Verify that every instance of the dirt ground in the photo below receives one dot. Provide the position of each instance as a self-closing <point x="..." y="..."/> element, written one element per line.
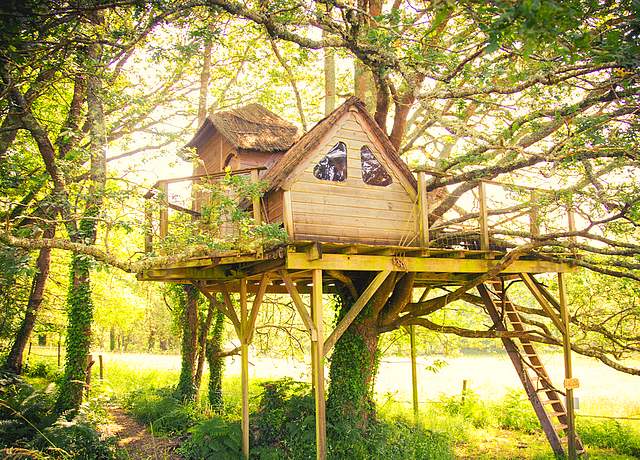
<point x="137" y="440"/>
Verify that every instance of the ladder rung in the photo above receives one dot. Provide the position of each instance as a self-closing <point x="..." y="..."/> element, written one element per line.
<point x="560" y="426"/>
<point x="551" y="401"/>
<point x="556" y="413"/>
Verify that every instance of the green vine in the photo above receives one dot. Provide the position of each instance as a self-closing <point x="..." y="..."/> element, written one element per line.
<point x="216" y="363"/>
<point x="352" y="369"/>
<point x="185" y="297"/>
<point x="80" y="314"/>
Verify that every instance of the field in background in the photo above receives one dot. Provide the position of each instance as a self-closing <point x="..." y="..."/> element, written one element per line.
<point x="603" y="390"/>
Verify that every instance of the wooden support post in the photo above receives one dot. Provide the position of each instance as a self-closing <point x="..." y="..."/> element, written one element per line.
<point x="568" y="371"/>
<point x="534" y="216"/>
<point x="101" y="367"/>
<point x="148" y="229"/>
<point x="257" y="205"/>
<point x="318" y="355"/>
<point x="163" y="187"/>
<point x="571" y="221"/>
<point x="483" y="217"/>
<point x="423" y="210"/>
<point x="287" y="213"/>
<point x="299" y="304"/>
<point x="59" y="349"/>
<point x="414" y="372"/>
<point x="244" y="356"/>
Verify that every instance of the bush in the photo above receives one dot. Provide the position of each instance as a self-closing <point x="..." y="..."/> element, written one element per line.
<point x="76" y="439"/>
<point x="213" y="439"/>
<point x="42" y="369"/>
<point x="284" y="427"/>
<point x="469" y="406"/>
<point x="514" y="412"/>
<point x="609" y="434"/>
<point x="163" y="411"/>
<point x="29" y="427"/>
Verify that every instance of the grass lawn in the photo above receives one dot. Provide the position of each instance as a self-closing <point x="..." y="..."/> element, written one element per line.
<point x="479" y="431"/>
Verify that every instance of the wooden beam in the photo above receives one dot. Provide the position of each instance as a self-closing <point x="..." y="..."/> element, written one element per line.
<point x="233" y="316"/>
<point x="355" y="309"/>
<point x="423" y="210"/>
<point x="287" y="213"/>
<point x="544" y="303"/>
<point x="568" y="371"/>
<point x="484" y="217"/>
<point x="257" y="207"/>
<point x="155" y="274"/>
<point x="257" y="301"/>
<point x="244" y="374"/>
<point x="148" y="227"/>
<point x="534" y="215"/>
<point x="316" y="350"/>
<point x="414" y="372"/>
<point x="299" y="304"/>
<point x="298" y="261"/>
<point x="163" y="187"/>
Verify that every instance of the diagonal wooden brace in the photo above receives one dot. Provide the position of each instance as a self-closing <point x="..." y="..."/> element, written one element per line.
<point x="357" y="307"/>
<point x="532" y="285"/>
<point x="299" y="304"/>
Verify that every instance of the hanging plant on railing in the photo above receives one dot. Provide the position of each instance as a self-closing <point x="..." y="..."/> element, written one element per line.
<point x="224" y="220"/>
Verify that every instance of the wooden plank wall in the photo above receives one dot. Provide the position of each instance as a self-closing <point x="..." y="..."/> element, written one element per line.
<point x="351" y="211"/>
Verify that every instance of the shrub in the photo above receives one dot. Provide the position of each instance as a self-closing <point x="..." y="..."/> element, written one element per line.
<point x="213" y="439"/>
<point x="469" y="406"/>
<point x="514" y="412"/>
<point x="29" y="427"/>
<point x="609" y="434"/>
<point x="42" y="369"/>
<point x="76" y="439"/>
<point x="163" y="411"/>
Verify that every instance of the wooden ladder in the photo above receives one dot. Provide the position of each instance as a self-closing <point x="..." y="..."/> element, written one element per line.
<point x="545" y="398"/>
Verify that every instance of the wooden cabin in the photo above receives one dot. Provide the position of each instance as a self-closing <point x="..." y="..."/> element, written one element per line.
<point x="341" y="182"/>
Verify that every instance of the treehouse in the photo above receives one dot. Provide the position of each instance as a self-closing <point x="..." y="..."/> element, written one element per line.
<point x="354" y="214"/>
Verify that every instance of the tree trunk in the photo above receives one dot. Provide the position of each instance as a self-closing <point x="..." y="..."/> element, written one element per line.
<point x="353" y="368"/>
<point x="14" y="360"/>
<point x="80" y="313"/>
<point x="202" y="344"/>
<point x="216" y="363"/>
<point x="329" y="78"/>
<point x="186" y="389"/>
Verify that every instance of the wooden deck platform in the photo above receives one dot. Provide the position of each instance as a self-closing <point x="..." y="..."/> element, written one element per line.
<point x="435" y="267"/>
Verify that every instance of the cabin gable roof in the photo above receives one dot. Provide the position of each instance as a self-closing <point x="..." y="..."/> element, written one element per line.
<point x="252" y="127"/>
<point x="301" y="152"/>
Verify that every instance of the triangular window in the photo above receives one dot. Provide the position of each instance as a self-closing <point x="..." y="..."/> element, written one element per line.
<point x="373" y="173"/>
<point x="333" y="166"/>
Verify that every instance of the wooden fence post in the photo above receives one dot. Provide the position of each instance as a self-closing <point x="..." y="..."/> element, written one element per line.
<point x="59" y="340"/>
<point x="163" y="187"/>
<point x="483" y="217"/>
<point x="101" y="367"/>
<point x="464" y="389"/>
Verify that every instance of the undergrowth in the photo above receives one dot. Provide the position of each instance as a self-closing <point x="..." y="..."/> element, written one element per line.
<point x="30" y="428"/>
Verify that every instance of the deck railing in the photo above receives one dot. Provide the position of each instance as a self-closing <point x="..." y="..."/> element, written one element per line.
<point x="490" y="215"/>
<point x="160" y="196"/>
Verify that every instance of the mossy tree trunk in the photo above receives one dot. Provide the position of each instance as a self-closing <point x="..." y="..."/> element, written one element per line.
<point x="80" y="314"/>
<point x="354" y="361"/>
<point x="216" y="363"/>
<point x="186" y="389"/>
